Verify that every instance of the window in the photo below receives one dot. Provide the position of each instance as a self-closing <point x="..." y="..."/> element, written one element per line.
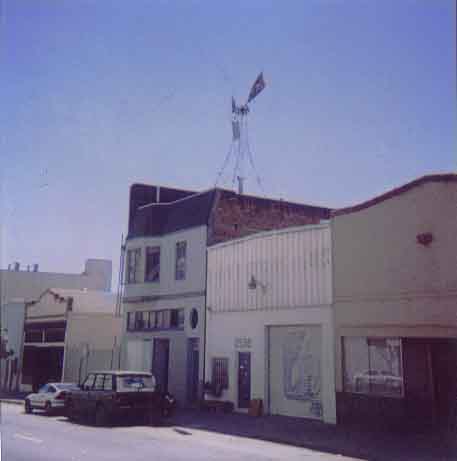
<point x="180" y="262"/>
<point x="133" y="265"/>
<point x="373" y="366"/>
<point x="152" y="264"/>
<point x="135" y="382"/>
<point x="89" y="382"/>
<point x="54" y="335"/>
<point x="34" y="336"/>
<point x="141" y="319"/>
<point x="108" y="383"/>
<point x="177" y="318"/>
<point x="98" y="385"/>
<point x="130" y="321"/>
<point x="152" y="320"/>
<point x="220" y="373"/>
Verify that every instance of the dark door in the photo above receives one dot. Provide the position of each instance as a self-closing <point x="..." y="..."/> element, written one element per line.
<point x="193" y="357"/>
<point x="160" y="360"/>
<point x="244" y="379"/>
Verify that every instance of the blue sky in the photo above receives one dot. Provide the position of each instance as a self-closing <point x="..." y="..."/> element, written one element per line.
<point x="98" y="94"/>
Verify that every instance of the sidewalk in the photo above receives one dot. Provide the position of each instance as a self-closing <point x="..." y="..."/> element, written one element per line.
<point x="354" y="442"/>
<point x="13" y="397"/>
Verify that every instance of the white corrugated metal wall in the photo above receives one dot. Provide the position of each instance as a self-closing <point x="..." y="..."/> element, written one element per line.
<point x="292" y="268"/>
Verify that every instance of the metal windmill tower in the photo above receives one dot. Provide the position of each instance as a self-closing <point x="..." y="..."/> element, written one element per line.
<point x="239" y="149"/>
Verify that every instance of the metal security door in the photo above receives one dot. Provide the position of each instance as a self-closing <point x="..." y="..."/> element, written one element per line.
<point x="244" y="379"/>
<point x="193" y="358"/>
<point x="160" y="361"/>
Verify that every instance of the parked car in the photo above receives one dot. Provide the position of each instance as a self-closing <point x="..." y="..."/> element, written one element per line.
<point x="107" y="396"/>
<point x="50" y="397"/>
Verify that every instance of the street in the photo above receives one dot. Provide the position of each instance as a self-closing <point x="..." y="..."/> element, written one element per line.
<point x="38" y="437"/>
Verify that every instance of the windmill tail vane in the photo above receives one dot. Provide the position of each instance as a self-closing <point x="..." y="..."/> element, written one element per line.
<point x="239" y="148"/>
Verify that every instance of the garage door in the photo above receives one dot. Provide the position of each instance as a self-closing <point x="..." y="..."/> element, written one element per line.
<point x="295" y="371"/>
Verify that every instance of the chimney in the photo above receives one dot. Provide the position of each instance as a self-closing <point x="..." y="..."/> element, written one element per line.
<point x="35" y="268"/>
<point x="17" y="267"/>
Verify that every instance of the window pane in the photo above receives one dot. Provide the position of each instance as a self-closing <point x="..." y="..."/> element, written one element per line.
<point x="33" y="336"/>
<point x="54" y="335"/>
<point x="152" y="264"/>
<point x="166" y="319"/>
<point x="108" y="383"/>
<point x="99" y="382"/>
<point x="133" y="265"/>
<point x="130" y="321"/>
<point x="140" y="320"/>
<point x="160" y="318"/>
<point x="152" y="319"/>
<point x="356" y="365"/>
<point x="180" y="263"/>
<point x="181" y="318"/>
<point x="385" y="366"/>
<point x="89" y="382"/>
<point x="174" y="318"/>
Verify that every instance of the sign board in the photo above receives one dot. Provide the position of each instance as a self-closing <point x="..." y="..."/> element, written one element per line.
<point x="243" y="342"/>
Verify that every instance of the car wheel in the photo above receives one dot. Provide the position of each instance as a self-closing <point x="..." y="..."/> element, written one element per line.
<point x="47" y="408"/>
<point x="101" y="417"/>
<point x="28" y="407"/>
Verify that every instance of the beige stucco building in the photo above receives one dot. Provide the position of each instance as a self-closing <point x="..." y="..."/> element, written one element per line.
<point x="395" y="300"/>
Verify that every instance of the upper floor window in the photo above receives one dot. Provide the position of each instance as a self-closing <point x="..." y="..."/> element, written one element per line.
<point x="180" y="263"/>
<point x="152" y="264"/>
<point x="133" y="265"/>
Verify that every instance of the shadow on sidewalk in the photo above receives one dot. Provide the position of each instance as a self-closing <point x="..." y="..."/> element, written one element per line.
<point x="348" y="441"/>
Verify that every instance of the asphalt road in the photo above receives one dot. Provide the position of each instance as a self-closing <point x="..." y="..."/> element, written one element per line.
<point x="38" y="437"/>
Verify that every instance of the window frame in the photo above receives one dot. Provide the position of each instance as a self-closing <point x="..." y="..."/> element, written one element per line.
<point x="150" y="251"/>
<point x="132" y="268"/>
<point x="180" y="272"/>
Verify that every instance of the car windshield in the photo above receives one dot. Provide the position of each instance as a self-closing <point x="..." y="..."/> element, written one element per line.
<point x="135" y="382"/>
<point x="66" y="386"/>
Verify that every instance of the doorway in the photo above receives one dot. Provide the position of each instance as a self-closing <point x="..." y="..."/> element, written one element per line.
<point x="244" y="379"/>
<point x="160" y="362"/>
<point x="193" y="358"/>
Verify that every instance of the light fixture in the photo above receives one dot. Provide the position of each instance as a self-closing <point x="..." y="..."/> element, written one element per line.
<point x="254" y="283"/>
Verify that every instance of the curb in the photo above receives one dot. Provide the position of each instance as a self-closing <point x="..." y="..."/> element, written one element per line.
<point x="13" y="401"/>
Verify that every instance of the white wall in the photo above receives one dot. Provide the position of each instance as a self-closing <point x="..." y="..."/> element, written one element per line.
<point x="224" y="327"/>
<point x="292" y="267"/>
<point x="195" y="264"/>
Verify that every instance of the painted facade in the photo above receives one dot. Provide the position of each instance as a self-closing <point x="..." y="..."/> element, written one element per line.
<point x="270" y="322"/>
<point x="395" y="295"/>
<point x="66" y="334"/>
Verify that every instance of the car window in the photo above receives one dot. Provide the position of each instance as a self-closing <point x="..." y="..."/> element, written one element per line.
<point x="129" y="383"/>
<point x="89" y="382"/>
<point x="51" y="389"/>
<point x="43" y="389"/>
<point x="98" y="386"/>
<point x="66" y="386"/>
<point x="108" y="383"/>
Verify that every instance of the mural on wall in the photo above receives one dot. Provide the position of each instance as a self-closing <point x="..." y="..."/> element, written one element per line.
<point x="301" y="352"/>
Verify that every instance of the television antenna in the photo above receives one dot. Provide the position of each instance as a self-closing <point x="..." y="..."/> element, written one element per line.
<point x="239" y="147"/>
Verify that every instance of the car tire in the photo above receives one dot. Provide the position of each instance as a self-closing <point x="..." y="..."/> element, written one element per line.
<point x="47" y="408"/>
<point x="28" y="407"/>
<point x="101" y="416"/>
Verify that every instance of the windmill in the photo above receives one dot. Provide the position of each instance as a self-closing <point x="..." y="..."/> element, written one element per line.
<point x="239" y="147"/>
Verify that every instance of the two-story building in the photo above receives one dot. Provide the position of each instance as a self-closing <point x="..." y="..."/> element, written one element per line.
<point x="165" y="272"/>
<point x="395" y="302"/>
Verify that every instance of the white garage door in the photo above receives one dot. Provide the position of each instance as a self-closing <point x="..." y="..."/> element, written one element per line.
<point x="295" y="371"/>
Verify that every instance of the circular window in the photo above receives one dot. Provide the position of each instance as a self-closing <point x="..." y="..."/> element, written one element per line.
<point x="194" y="318"/>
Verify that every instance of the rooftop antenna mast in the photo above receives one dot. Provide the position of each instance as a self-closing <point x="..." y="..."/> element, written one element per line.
<point x="239" y="147"/>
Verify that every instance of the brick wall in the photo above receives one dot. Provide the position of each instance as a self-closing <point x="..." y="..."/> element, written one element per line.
<point x="236" y="216"/>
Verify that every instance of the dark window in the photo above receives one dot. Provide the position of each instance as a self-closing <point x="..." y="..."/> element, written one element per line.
<point x="54" y="335"/>
<point x="130" y="321"/>
<point x="34" y="336"/>
<point x="177" y="318"/>
<point x="140" y="320"/>
<point x="152" y="320"/>
<point x="220" y="372"/>
<point x="152" y="264"/>
<point x="180" y="261"/>
<point x="133" y="266"/>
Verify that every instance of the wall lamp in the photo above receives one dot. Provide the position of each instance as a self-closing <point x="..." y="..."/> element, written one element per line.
<point x="254" y="283"/>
